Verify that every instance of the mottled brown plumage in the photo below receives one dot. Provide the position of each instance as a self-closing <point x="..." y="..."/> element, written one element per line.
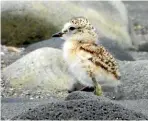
<point x="101" y="57"/>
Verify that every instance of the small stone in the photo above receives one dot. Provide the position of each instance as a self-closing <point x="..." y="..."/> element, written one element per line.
<point x="31" y="98"/>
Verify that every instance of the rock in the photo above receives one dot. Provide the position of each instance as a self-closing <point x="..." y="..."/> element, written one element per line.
<point x="11" y="107"/>
<point x="143" y="47"/>
<point x="25" y="22"/>
<point x="139" y="55"/>
<point x="42" y="71"/>
<point x="83" y="109"/>
<point x="11" y="57"/>
<point x="53" y="42"/>
<point x="138" y="11"/>
<point x="77" y="95"/>
<point x="140" y="105"/>
<point x="134" y="80"/>
<point x="9" y="54"/>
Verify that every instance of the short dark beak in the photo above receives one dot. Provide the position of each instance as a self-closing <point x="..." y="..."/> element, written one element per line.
<point x="59" y="34"/>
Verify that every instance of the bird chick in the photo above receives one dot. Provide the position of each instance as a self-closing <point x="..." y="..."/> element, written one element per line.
<point x="91" y="64"/>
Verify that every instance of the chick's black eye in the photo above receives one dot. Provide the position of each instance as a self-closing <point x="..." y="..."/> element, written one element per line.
<point x="72" y="28"/>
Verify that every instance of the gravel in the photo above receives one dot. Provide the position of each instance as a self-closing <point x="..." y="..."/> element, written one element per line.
<point x="83" y="109"/>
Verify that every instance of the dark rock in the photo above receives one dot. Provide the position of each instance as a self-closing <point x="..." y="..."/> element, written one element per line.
<point x="140" y="105"/>
<point x="14" y="107"/>
<point x="81" y="110"/>
<point x="143" y="47"/>
<point x="53" y="42"/>
<point x="134" y="84"/>
<point x="138" y="11"/>
<point x="139" y="55"/>
<point x="11" y="57"/>
<point x="81" y="95"/>
<point x="11" y="107"/>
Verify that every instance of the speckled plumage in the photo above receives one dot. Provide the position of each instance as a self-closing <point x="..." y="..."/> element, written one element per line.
<point x="101" y="57"/>
<point x="81" y="22"/>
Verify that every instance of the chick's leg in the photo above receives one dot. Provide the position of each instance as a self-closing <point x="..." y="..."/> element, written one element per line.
<point x="90" y="71"/>
<point x="97" y="87"/>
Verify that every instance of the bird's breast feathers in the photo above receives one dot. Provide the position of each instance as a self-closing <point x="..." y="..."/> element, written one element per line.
<point x="69" y="52"/>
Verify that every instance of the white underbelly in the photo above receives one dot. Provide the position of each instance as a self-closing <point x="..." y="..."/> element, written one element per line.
<point x="80" y="73"/>
<point x="101" y="76"/>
